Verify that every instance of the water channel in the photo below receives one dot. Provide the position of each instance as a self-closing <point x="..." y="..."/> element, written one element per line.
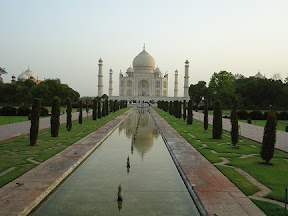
<point x="152" y="185"/>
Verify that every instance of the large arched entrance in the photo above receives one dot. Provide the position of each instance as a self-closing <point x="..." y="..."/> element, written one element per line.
<point x="143" y="88"/>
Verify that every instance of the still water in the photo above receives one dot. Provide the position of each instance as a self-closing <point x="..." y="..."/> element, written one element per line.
<point x="152" y="185"/>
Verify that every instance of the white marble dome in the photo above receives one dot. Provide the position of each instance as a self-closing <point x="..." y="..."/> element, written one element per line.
<point x="130" y="70"/>
<point x="30" y="73"/>
<point x="144" y="61"/>
<point x="22" y="77"/>
<point x="157" y="70"/>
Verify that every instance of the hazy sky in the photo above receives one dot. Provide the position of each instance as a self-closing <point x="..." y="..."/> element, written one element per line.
<point x="65" y="39"/>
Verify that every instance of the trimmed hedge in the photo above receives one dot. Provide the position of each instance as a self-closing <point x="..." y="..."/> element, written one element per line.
<point x="23" y="110"/>
<point x="8" y="111"/>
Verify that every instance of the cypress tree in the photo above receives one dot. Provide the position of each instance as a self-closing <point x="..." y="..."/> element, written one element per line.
<point x="111" y="106"/>
<point x="205" y="114"/>
<point x="170" y="108"/>
<point x="80" y="118"/>
<point x="190" y="112"/>
<point x="99" y="109"/>
<point x="269" y="137"/>
<point x="107" y="107"/>
<point x="69" y="114"/>
<point x="103" y="109"/>
<point x="175" y="109"/>
<point x="180" y="110"/>
<point x="55" y="114"/>
<point x="94" y="114"/>
<point x="116" y="105"/>
<point x="184" y="110"/>
<point x="35" y="114"/>
<point x="217" y="120"/>
<point x="234" y="123"/>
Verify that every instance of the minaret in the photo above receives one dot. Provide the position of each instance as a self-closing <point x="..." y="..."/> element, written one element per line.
<point x="100" y="79"/>
<point x="176" y="84"/>
<point x="186" y="79"/>
<point x="110" y="83"/>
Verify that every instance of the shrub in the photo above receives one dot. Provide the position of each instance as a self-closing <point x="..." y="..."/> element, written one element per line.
<point x="249" y="121"/>
<point x="256" y="115"/>
<point x="35" y="113"/>
<point x="8" y="111"/>
<point x="217" y="120"/>
<point x="94" y="114"/>
<point x="80" y="118"/>
<point x="243" y="114"/>
<point x="205" y="114"/>
<point x="190" y="113"/>
<point x="69" y="114"/>
<point x="23" y="110"/>
<point x="269" y="137"/>
<point x="55" y="114"/>
<point x="234" y="123"/>
<point x="184" y="110"/>
<point x="283" y="116"/>
<point x="44" y="111"/>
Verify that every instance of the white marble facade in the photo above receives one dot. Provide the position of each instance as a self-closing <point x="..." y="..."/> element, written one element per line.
<point x="143" y="79"/>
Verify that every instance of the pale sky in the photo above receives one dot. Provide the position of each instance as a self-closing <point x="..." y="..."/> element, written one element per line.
<point x="65" y="39"/>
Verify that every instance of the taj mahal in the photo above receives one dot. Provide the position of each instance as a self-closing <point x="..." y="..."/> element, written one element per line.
<point x="143" y="81"/>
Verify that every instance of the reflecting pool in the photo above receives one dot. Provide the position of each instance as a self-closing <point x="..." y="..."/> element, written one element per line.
<point x="152" y="185"/>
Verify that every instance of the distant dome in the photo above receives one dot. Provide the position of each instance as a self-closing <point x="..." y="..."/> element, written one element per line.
<point x="130" y="70"/>
<point x="22" y="77"/>
<point x="144" y="61"/>
<point x="157" y="70"/>
<point x="30" y="73"/>
<point x="259" y="75"/>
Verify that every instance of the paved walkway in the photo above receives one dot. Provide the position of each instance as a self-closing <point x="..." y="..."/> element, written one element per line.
<point x="217" y="194"/>
<point x="250" y="131"/>
<point x="21" y="128"/>
<point x="23" y="194"/>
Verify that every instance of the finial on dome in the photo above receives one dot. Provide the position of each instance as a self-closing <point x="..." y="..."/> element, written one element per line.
<point x="144" y="47"/>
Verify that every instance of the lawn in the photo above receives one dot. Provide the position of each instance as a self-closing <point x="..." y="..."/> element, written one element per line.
<point x="15" y="152"/>
<point x="13" y="119"/>
<point x="281" y="124"/>
<point x="273" y="176"/>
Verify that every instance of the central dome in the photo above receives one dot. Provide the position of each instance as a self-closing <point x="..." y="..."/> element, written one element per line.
<point x="144" y="62"/>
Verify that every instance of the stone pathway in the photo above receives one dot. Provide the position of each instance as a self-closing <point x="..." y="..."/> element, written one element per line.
<point x="250" y="131"/>
<point x="23" y="194"/>
<point x="21" y="128"/>
<point x="215" y="193"/>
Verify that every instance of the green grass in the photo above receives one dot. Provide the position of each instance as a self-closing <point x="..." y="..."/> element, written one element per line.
<point x="244" y="185"/>
<point x="4" y="120"/>
<point x="274" y="176"/>
<point x="270" y="209"/>
<point x="281" y="124"/>
<point x="15" y="152"/>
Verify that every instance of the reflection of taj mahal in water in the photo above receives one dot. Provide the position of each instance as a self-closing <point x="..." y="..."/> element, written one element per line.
<point x="146" y="133"/>
<point x="143" y="81"/>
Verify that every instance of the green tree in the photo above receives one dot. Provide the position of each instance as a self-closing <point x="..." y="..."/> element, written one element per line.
<point x="198" y="91"/>
<point x="221" y="86"/>
<point x="217" y="120"/>
<point x="234" y="123"/>
<point x="55" y="114"/>
<point x="94" y="114"/>
<point x="180" y="110"/>
<point x="184" y="110"/>
<point x="80" y="118"/>
<point x="104" y="109"/>
<point x="269" y="137"/>
<point x="69" y="114"/>
<point x="190" y="112"/>
<point x="35" y="115"/>
<point x="205" y="114"/>
<point x="170" y="107"/>
<point x="99" y="109"/>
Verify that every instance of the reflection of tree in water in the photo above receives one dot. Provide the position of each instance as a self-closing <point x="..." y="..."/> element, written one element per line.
<point x="147" y="131"/>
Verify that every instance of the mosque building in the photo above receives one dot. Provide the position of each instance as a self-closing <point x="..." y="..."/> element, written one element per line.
<point x="143" y="81"/>
<point x="28" y="74"/>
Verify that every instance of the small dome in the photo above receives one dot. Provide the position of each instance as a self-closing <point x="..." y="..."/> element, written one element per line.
<point x="22" y="77"/>
<point x="157" y="70"/>
<point x="130" y="70"/>
<point x="144" y="61"/>
<point x="30" y="73"/>
<point x="259" y="75"/>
